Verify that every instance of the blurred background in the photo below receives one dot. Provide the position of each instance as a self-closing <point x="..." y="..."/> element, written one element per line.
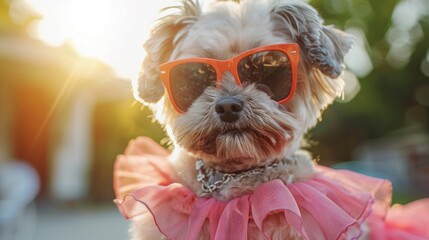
<point x="66" y="107"/>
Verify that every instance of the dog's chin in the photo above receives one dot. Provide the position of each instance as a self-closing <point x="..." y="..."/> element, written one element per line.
<point x="240" y="148"/>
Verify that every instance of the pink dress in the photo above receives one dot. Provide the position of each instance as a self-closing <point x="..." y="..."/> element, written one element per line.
<point x="331" y="205"/>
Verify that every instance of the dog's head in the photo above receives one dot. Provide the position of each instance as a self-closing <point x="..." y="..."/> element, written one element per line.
<point x="228" y="124"/>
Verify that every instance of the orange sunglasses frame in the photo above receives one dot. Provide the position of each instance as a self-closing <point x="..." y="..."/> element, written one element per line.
<point x="231" y="65"/>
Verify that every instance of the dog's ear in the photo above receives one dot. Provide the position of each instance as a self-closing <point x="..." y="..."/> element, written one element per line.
<point x="167" y="32"/>
<point x="324" y="47"/>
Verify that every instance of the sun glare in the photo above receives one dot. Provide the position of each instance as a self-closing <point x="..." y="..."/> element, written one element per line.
<point x="87" y="21"/>
<point x="109" y="30"/>
<point x="43" y="29"/>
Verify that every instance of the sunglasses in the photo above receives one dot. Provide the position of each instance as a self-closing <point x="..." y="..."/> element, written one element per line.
<point x="273" y="68"/>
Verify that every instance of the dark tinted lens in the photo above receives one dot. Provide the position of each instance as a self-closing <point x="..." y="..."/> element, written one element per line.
<point x="189" y="80"/>
<point x="270" y="70"/>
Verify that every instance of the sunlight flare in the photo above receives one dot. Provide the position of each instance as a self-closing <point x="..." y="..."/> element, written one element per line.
<point x="107" y="30"/>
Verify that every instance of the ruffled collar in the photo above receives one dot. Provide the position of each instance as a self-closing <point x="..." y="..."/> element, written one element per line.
<point x="331" y="205"/>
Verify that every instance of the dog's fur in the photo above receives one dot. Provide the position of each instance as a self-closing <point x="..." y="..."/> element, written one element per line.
<point x="266" y="131"/>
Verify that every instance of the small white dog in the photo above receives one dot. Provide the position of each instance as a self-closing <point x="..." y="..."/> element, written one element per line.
<point x="237" y="87"/>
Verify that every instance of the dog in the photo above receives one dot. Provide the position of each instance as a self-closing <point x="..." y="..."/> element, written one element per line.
<point x="237" y="85"/>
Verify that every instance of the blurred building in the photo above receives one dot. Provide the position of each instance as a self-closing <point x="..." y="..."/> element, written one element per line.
<point x="59" y="112"/>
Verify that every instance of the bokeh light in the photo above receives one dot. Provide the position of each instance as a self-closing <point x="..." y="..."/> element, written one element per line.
<point x="405" y="31"/>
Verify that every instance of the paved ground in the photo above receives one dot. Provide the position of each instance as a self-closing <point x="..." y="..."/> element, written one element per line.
<point x="72" y="223"/>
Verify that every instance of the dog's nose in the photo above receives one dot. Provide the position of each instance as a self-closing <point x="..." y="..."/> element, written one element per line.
<point x="228" y="109"/>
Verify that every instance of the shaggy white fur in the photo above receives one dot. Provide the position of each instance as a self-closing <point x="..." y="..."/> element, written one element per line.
<point x="266" y="131"/>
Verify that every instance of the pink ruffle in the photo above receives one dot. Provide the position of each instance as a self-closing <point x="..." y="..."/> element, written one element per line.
<point x="331" y="205"/>
<point x="315" y="208"/>
<point x="409" y="222"/>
